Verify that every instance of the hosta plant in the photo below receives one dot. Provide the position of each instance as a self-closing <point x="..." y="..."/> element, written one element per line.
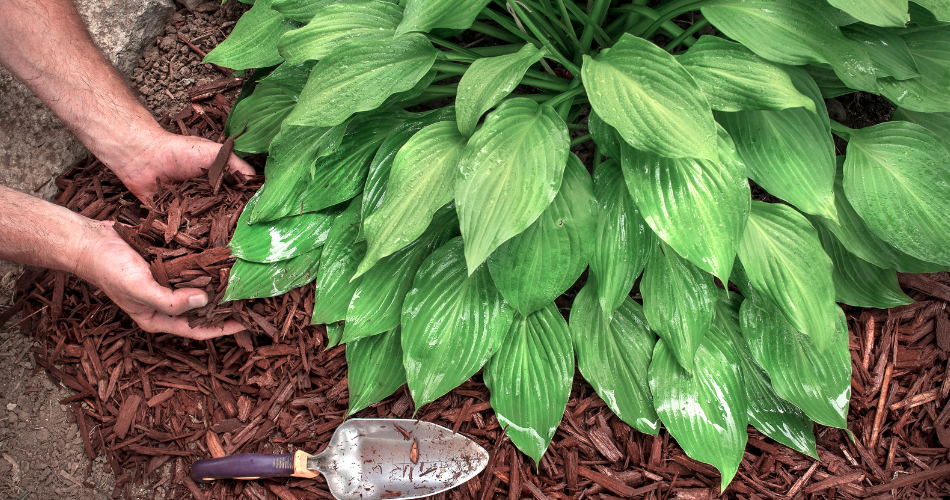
<point x="420" y="169"/>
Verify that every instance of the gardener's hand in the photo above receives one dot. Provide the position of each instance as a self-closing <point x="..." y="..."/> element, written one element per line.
<point x="107" y="261"/>
<point x="168" y="157"/>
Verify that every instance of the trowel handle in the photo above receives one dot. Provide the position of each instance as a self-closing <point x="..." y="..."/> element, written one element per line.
<point x="251" y="466"/>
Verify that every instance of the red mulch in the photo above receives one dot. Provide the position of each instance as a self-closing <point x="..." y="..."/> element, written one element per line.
<point x="152" y="404"/>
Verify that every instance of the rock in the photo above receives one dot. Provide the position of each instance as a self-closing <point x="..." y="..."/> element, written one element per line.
<point x="42" y="435"/>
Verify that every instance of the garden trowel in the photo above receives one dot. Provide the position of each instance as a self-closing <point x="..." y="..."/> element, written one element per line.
<point x="368" y="459"/>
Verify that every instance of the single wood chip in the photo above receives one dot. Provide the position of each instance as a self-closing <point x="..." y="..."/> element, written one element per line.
<point x="126" y="415"/>
<point x="214" y="445"/>
<point x="834" y="482"/>
<point x="911" y="479"/>
<point x="608" y="482"/>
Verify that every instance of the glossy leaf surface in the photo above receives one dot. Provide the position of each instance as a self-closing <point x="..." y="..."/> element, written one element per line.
<point x="281" y="239"/>
<point x="622" y="240"/>
<point x="650" y="99"/>
<point x="938" y="123"/>
<point x="896" y="177"/>
<point x="251" y="280"/>
<point x="784" y="260"/>
<point x="606" y="137"/>
<point x="511" y="169"/>
<point x="705" y="411"/>
<point x="816" y="380"/>
<point x="359" y="75"/>
<point x="789" y="152"/>
<point x="487" y="81"/>
<point x="614" y="355"/>
<point x="425" y="15"/>
<point x="887" y="50"/>
<point x="339" y="23"/>
<point x="374" y="369"/>
<point x="414" y="193"/>
<point x="340" y="258"/>
<point x="679" y="301"/>
<point x="876" y="12"/>
<point x="538" y="265"/>
<point x="530" y="379"/>
<point x="698" y="207"/>
<point x="735" y="79"/>
<point x="931" y="50"/>
<point x="261" y="115"/>
<point x="939" y="8"/>
<point x="452" y="323"/>
<point x="253" y="41"/>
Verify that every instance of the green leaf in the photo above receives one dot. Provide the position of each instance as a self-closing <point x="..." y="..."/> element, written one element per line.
<point x="652" y="101"/>
<point x="614" y="355"/>
<point x="876" y="12"/>
<point x="511" y="169"/>
<point x="938" y="123"/>
<point x="339" y="23"/>
<point x="794" y="32"/>
<point x="377" y="303"/>
<point x="340" y="257"/>
<point x="537" y="266"/>
<point x="452" y="323"/>
<point x="698" y="207"/>
<point x="281" y="239"/>
<point x="414" y="193"/>
<point x="251" y="280"/>
<point x="939" y="8"/>
<point x="259" y="116"/>
<point x="896" y="177"/>
<point x="679" y="301"/>
<point x="857" y="282"/>
<point x="927" y="94"/>
<point x="784" y="260"/>
<point x="334" y="333"/>
<point x="706" y="411"/>
<point x="789" y="152"/>
<point x="253" y="41"/>
<point x="735" y="79"/>
<point x="487" y="81"/>
<point x="303" y="11"/>
<point x="374" y="369"/>
<point x="530" y="379"/>
<point x="606" y="137"/>
<point x="828" y="82"/>
<point x="769" y="413"/>
<point x="854" y="234"/>
<point x="816" y="380"/>
<point x="622" y="241"/>
<point x="425" y="15"/>
<point x="887" y="50"/>
<point x="359" y="75"/>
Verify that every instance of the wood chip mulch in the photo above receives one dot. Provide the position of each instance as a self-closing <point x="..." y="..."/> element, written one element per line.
<point x="152" y="404"/>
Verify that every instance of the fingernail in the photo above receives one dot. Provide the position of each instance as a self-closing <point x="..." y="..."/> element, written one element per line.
<point x="196" y="301"/>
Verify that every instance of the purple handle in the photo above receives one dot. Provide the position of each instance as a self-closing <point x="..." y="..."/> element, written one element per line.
<point x="249" y="465"/>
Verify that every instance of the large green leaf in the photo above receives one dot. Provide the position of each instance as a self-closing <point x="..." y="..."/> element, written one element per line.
<point x="939" y="8"/>
<point x="876" y="12"/>
<point x="614" y="354"/>
<point x="938" y="123"/>
<point x="340" y="257"/>
<point x="253" y="41"/>
<point x="530" y="379"/>
<point x="622" y="241"/>
<point x="789" y="152"/>
<point x="769" y="413"/>
<point x="537" y="266"/>
<point x="828" y="82"/>
<point x="251" y="280"/>
<point x="794" y="32"/>
<point x="359" y="75"/>
<point x="652" y="101"/>
<point x="258" y="117"/>
<point x="281" y="239"/>
<point x="698" y="207"/>
<point x="816" y="380"/>
<point x="303" y="11"/>
<point x="376" y="305"/>
<point x="897" y="178"/>
<point x="414" y="193"/>
<point x="374" y="369"/>
<point x="928" y="94"/>
<point x="887" y="50"/>
<point x="679" y="301"/>
<point x="452" y="323"/>
<point x="370" y="20"/>
<point x="857" y="282"/>
<point x="487" y="81"/>
<point x="606" y="137"/>
<point x="784" y="260"/>
<point x="425" y="15"/>
<point x="705" y="411"/>
<point x="511" y="169"/>
<point x="735" y="79"/>
<point x="854" y="234"/>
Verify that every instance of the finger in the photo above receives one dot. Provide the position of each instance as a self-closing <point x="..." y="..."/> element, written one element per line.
<point x="177" y="325"/>
<point x="169" y="302"/>
<point x="236" y="164"/>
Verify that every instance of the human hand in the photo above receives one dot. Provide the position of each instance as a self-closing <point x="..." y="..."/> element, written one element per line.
<point x="110" y="263"/>
<point x="171" y="158"/>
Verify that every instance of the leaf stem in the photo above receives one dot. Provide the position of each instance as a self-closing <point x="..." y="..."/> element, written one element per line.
<point x="688" y="32"/>
<point x="841" y="130"/>
<point x="452" y="46"/>
<point x="566" y="95"/>
<point x="541" y="84"/>
<point x="674" y="9"/>
<point x="551" y="49"/>
<point x="579" y="140"/>
<point x="597" y="13"/>
<point x="602" y="37"/>
<point x="509" y="29"/>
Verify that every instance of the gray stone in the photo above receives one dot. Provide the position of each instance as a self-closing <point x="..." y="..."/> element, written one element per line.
<point x="35" y="146"/>
<point x="42" y="435"/>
